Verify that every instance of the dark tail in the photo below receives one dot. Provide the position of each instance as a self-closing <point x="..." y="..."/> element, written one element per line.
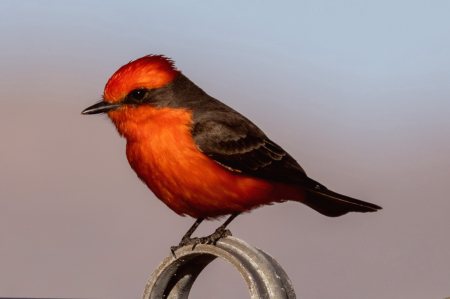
<point x="333" y="204"/>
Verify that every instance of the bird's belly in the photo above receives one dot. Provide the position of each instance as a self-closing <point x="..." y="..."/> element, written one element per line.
<point x="163" y="154"/>
<point x="191" y="183"/>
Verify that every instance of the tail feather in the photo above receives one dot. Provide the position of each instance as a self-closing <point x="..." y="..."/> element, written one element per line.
<point x="333" y="204"/>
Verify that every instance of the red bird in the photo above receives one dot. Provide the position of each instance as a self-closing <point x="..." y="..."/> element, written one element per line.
<point x="201" y="157"/>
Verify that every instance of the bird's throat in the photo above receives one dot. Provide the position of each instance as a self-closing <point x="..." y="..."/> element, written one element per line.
<point x="146" y="122"/>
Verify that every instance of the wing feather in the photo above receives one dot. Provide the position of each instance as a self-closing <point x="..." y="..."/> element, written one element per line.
<point x="238" y="144"/>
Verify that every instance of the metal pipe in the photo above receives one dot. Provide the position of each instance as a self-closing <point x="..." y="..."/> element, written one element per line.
<point x="264" y="276"/>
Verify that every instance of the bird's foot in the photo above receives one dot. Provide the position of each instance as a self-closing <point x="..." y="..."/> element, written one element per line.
<point x="221" y="232"/>
<point x="213" y="238"/>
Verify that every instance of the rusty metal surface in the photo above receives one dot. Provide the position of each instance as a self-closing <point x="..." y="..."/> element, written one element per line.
<point x="264" y="276"/>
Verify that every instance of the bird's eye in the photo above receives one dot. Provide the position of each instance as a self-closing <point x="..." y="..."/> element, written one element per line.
<point x="138" y="94"/>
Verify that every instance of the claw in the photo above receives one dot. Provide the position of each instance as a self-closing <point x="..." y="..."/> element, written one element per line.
<point x="220" y="233"/>
<point x="173" y="249"/>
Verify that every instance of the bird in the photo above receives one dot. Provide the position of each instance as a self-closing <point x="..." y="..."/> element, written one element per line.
<point x="199" y="156"/>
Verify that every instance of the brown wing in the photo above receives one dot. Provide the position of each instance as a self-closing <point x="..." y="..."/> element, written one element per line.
<point x="239" y="145"/>
<point x="236" y="143"/>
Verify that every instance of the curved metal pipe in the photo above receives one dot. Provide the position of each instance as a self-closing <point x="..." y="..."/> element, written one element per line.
<point x="264" y="276"/>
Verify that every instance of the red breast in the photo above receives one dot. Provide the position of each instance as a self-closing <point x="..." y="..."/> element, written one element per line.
<point x="161" y="151"/>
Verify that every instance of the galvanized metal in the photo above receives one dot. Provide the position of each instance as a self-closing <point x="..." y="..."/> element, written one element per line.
<point x="264" y="276"/>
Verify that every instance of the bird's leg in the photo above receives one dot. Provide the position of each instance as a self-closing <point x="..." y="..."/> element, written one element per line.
<point x="186" y="240"/>
<point x="189" y="233"/>
<point x="220" y="232"/>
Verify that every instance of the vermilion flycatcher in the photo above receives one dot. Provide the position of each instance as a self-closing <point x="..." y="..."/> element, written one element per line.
<point x="201" y="157"/>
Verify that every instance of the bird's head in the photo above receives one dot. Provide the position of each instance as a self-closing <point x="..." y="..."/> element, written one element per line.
<point x="131" y="84"/>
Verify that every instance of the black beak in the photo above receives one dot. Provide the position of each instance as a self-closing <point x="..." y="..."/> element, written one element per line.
<point x="101" y="107"/>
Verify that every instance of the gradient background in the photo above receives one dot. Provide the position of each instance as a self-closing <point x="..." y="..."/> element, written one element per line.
<point x="357" y="91"/>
